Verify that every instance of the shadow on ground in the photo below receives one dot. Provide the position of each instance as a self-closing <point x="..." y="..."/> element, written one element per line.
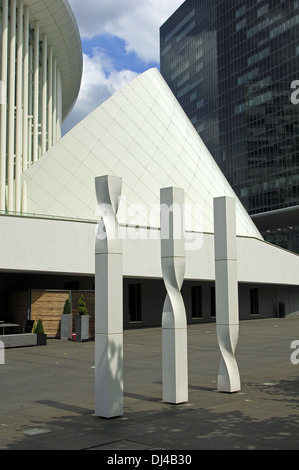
<point x="269" y="421"/>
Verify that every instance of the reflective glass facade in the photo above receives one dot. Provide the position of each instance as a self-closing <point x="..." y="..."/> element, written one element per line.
<point x="231" y="66"/>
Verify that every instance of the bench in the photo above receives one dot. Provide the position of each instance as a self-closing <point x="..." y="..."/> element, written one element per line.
<point x="19" y="340"/>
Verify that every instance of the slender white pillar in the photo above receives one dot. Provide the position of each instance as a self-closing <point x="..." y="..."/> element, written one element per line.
<point x="227" y="310"/>
<point x="59" y="104"/>
<point x="11" y="107"/>
<point x="108" y="302"/>
<point x="30" y="107"/>
<point x="3" y="105"/>
<point x="44" y="93"/>
<point x="25" y="89"/>
<point x="24" y="198"/>
<point x="54" y="115"/>
<point x="19" y="107"/>
<point x="50" y="96"/>
<point x="36" y="92"/>
<point x="174" y="324"/>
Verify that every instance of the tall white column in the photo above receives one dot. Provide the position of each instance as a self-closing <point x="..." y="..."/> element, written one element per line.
<point x="25" y="89"/>
<point x="19" y="107"/>
<point x="36" y="92"/>
<point x="24" y="198"/>
<point x="50" y="96"/>
<point x="11" y="107"/>
<point x="227" y="309"/>
<point x="30" y="107"/>
<point x="108" y="302"/>
<point x="44" y="93"/>
<point x="54" y="115"/>
<point x="3" y="105"/>
<point x="59" y="104"/>
<point x="174" y="323"/>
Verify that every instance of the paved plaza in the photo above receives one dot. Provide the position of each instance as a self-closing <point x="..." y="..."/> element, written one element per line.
<point x="47" y="395"/>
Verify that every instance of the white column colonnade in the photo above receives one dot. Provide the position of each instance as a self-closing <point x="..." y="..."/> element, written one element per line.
<point x="31" y="98"/>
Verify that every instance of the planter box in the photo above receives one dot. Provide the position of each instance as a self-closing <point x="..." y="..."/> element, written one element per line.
<point x="41" y="339"/>
<point x="82" y="328"/>
<point x="66" y="327"/>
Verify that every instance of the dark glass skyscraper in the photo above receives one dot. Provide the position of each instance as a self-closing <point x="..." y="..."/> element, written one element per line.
<point x="231" y="66"/>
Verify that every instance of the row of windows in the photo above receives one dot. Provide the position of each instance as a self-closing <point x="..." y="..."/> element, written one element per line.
<point x="268" y="203"/>
<point x="179" y="25"/>
<point x="197" y="310"/>
<point x="284" y="26"/>
<point x="288" y="239"/>
<point x="197" y="302"/>
<point x="211" y="73"/>
<point x="259" y="56"/>
<point x="266" y="186"/>
<point x="256" y="101"/>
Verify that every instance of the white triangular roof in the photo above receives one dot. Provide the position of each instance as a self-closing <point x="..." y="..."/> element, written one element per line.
<point x="143" y="135"/>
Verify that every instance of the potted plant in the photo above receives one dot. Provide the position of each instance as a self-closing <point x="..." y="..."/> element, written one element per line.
<point x="66" y="328"/>
<point x="41" y="336"/>
<point x="82" y="321"/>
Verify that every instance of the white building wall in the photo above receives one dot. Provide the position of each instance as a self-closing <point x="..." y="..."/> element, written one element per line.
<point x="67" y="247"/>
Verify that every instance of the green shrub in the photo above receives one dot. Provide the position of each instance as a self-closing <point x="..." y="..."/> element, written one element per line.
<point x="67" y="309"/>
<point x="39" y="327"/>
<point x="82" y="306"/>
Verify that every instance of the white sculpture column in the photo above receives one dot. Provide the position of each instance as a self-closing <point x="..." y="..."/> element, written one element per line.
<point x="108" y="302"/>
<point x="174" y="324"/>
<point x="227" y="310"/>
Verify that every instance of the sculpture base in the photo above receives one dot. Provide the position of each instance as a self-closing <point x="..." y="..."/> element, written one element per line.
<point x="175" y="365"/>
<point x="108" y="375"/>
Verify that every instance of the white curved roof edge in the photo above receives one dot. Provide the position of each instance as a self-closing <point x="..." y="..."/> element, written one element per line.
<point x="58" y="22"/>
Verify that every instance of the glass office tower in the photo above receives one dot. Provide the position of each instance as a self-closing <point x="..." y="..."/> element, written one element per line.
<point x="231" y="65"/>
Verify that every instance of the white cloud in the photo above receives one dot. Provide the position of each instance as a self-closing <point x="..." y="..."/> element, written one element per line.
<point x="135" y="21"/>
<point x="100" y="80"/>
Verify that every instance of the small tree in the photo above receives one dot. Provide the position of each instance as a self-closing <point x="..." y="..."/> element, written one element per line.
<point x="39" y="327"/>
<point x="67" y="309"/>
<point x="82" y="306"/>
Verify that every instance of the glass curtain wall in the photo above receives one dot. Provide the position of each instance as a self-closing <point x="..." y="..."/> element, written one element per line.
<point x="231" y="66"/>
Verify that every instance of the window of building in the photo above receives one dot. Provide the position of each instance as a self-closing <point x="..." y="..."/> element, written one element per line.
<point x="71" y="285"/>
<point x="241" y="24"/>
<point x="261" y="11"/>
<point x="254" y="301"/>
<point x="180" y="25"/>
<point x="240" y="11"/>
<point x="196" y="301"/>
<point x="135" y="313"/>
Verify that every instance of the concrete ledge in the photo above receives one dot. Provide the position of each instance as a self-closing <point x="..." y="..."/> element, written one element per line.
<point x="19" y="341"/>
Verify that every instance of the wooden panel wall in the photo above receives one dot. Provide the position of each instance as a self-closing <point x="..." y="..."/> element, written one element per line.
<point x="48" y="306"/>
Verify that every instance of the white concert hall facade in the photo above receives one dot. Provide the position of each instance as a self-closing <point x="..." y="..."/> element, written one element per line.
<point x="48" y="213"/>
<point x="40" y="74"/>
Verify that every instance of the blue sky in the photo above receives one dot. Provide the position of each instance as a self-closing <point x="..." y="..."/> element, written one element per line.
<point x="120" y="40"/>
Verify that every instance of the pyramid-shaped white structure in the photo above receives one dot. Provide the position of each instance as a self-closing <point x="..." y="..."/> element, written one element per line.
<point x="142" y="135"/>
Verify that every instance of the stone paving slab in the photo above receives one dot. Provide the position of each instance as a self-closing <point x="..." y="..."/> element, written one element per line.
<point x="47" y="395"/>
